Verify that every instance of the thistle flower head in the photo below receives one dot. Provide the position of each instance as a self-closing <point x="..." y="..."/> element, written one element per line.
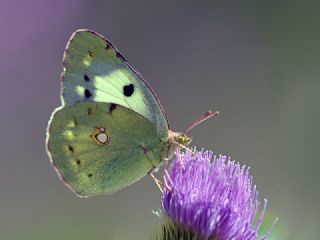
<point x="215" y="199"/>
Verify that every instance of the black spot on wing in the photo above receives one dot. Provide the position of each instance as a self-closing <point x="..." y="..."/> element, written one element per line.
<point x="86" y="78"/>
<point x="119" y="55"/>
<point x="75" y="121"/>
<point x="90" y="53"/>
<point x="128" y="90"/>
<point x="87" y="93"/>
<point x="112" y="107"/>
<point x="145" y="149"/>
<point x="71" y="149"/>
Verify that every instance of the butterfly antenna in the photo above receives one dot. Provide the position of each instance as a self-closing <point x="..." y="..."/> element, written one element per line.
<point x="203" y="118"/>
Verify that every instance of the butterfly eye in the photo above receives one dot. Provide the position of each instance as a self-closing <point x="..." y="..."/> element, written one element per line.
<point x="184" y="139"/>
<point x="181" y="139"/>
<point x="100" y="136"/>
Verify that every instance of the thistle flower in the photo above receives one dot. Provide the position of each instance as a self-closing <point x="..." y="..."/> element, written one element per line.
<point x="210" y="199"/>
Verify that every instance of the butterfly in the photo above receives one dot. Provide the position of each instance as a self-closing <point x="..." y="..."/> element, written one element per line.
<point x="111" y="129"/>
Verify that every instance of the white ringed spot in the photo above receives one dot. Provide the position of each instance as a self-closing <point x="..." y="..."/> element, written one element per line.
<point x="100" y="136"/>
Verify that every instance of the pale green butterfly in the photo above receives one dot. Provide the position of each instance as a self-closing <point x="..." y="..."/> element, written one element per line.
<point x="111" y="129"/>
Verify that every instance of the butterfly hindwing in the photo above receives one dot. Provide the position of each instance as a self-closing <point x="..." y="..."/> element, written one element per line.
<point x="94" y="70"/>
<point x="100" y="148"/>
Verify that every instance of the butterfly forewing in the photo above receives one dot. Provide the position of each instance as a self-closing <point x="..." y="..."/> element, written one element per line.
<point x="95" y="71"/>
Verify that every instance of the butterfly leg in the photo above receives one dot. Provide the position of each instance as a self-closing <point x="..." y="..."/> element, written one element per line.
<point x="177" y="153"/>
<point x="157" y="182"/>
<point x="165" y="163"/>
<point x="166" y="178"/>
<point x="166" y="174"/>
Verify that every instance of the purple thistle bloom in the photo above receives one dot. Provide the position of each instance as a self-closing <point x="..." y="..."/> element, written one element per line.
<point x="214" y="199"/>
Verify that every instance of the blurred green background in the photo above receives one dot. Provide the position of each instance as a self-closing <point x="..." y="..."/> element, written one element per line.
<point x="255" y="61"/>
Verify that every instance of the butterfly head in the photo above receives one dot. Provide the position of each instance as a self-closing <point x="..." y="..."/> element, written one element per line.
<point x="178" y="138"/>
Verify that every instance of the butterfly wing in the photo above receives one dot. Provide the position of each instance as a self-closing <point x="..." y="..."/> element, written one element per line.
<point x="94" y="70"/>
<point x="100" y="148"/>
